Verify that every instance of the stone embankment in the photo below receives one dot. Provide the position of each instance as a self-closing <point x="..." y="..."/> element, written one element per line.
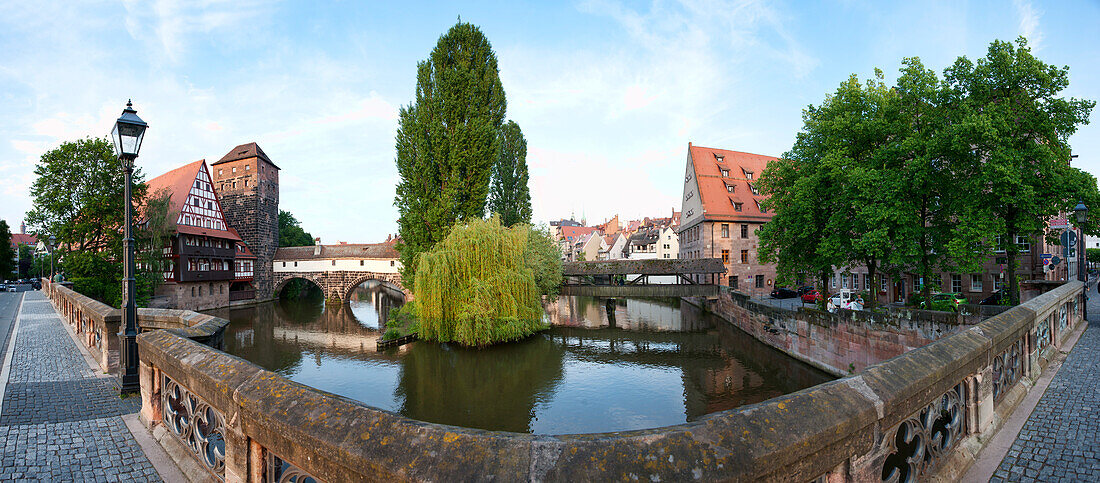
<point x="845" y="342"/>
<point x="924" y="412"/>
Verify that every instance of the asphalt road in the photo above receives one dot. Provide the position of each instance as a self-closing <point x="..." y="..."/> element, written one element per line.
<point x="9" y="308"/>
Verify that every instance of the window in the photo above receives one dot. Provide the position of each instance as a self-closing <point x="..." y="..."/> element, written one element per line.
<point x="666" y="246"/>
<point x="832" y="280"/>
<point x="284" y="264"/>
<point x="729" y="188"/>
<point x="234" y="169"/>
<point x="221" y="288"/>
<point x="219" y="172"/>
<point x="956" y="283"/>
<point x="744" y="231"/>
<point x="733" y="282"/>
<point x="195" y="201"/>
<point x="754" y="189"/>
<point x="748" y="174"/>
<point x="295" y="264"/>
<point x="882" y="283"/>
<point x="725" y="256"/>
<point x="1023" y="243"/>
<point x="334" y="263"/>
<point x="975" y="282"/>
<point x="247" y="167"/>
<point x="760" y="281"/>
<point x="200" y="290"/>
<point x="736" y="206"/>
<point x="246" y="183"/>
<point x="725" y="173"/>
<point x="844" y="280"/>
<point x="192" y="291"/>
<point x="867" y="281"/>
<point x="391" y="263"/>
<point x="744" y="256"/>
<point x="360" y="263"/>
<point x="725" y="230"/>
<point x="855" y="281"/>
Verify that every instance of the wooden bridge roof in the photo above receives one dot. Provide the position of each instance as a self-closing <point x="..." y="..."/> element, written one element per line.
<point x="348" y="250"/>
<point x="666" y="266"/>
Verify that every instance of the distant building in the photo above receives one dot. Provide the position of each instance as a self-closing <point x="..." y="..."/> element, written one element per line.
<point x="721" y="214"/>
<point x="21" y="238"/>
<point x="668" y="243"/>
<point x="615" y="246"/>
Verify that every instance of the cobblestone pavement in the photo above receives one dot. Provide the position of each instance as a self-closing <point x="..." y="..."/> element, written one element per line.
<point x="61" y="422"/>
<point x="1061" y="439"/>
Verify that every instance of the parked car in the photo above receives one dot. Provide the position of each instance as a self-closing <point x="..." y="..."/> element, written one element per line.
<point x="812" y="296"/>
<point x="947" y="302"/>
<point x="998" y="297"/>
<point x="35" y="284"/>
<point x="783" y="293"/>
<point x="807" y="288"/>
<point x="10" y="288"/>
<point x="846" y="299"/>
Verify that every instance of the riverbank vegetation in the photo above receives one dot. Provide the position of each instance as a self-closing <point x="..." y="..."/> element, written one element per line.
<point x="929" y="175"/>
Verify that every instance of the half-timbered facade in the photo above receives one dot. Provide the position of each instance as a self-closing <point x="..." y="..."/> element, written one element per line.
<point x="203" y="250"/>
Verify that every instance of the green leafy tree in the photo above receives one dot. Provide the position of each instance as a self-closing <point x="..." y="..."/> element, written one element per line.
<point x="543" y="258"/>
<point x="7" y="255"/>
<point x="447" y="141"/>
<point x="291" y="233"/>
<point x="78" y="198"/>
<point x="26" y="260"/>
<point x="509" y="195"/>
<point x="1013" y="127"/>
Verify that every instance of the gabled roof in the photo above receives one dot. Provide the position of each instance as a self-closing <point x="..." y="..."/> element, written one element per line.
<point x="245" y="151"/>
<point x="242" y="247"/>
<point x="573" y="233"/>
<point x="347" y="250"/>
<point x="718" y="202"/>
<point x="178" y="183"/>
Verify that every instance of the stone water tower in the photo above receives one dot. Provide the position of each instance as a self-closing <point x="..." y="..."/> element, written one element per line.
<point x="247" y="183"/>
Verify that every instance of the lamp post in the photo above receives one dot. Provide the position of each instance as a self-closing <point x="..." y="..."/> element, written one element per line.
<point x="127" y="135"/>
<point x="50" y="249"/>
<point x="1082" y="212"/>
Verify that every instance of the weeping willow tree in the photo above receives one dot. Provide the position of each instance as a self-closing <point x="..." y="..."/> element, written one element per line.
<point x="475" y="288"/>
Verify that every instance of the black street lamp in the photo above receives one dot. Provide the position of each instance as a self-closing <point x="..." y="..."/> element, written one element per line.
<point x="53" y="240"/>
<point x="1082" y="213"/>
<point x="126" y="136"/>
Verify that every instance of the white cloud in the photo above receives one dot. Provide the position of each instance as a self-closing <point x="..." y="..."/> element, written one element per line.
<point x="1029" y="22"/>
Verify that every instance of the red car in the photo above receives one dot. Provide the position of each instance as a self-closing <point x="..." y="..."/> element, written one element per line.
<point x="811" y="297"/>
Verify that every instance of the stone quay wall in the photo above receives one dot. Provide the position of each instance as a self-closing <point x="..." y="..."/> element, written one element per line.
<point x="845" y="342"/>
<point x="97" y="325"/>
<point x="924" y="413"/>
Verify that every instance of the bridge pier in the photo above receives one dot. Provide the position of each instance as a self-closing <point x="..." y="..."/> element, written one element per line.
<point x="338" y="285"/>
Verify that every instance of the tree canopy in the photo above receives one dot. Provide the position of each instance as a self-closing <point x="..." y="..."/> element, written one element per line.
<point x="291" y="233"/>
<point x="928" y="174"/>
<point x="7" y="255"/>
<point x="447" y="141"/>
<point x="509" y="196"/>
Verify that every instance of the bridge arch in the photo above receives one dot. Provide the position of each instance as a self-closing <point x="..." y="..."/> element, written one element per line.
<point x="283" y="281"/>
<point x="392" y="283"/>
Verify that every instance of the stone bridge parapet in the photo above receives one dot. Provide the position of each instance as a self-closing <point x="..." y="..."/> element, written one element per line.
<point x="922" y="414"/>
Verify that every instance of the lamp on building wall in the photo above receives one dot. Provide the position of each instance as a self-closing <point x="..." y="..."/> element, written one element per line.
<point x="127" y="136"/>
<point x="1082" y="212"/>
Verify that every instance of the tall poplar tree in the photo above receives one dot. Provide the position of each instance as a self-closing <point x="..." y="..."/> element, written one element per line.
<point x="509" y="195"/>
<point x="447" y="141"/>
<point x="7" y="255"/>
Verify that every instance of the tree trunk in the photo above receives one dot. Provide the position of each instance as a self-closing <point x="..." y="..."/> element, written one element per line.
<point x="822" y="304"/>
<point x="872" y="294"/>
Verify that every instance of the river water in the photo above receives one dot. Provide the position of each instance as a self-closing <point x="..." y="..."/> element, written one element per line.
<point x="602" y="366"/>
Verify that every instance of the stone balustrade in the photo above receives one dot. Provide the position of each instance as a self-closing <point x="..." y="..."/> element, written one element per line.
<point x="926" y="412"/>
<point x="97" y="325"/>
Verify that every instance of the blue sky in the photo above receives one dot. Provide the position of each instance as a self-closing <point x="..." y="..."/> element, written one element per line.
<point x="608" y="93"/>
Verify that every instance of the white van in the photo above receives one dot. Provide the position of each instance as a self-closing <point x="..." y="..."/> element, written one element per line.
<point x="845" y="299"/>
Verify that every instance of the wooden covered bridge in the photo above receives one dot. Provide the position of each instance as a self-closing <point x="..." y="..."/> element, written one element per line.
<point x="675" y="277"/>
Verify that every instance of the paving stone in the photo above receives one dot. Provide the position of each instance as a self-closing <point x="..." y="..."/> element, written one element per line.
<point x="60" y="421"/>
<point x="1057" y="441"/>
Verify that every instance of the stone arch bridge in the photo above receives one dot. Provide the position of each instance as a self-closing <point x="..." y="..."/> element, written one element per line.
<point x="338" y="269"/>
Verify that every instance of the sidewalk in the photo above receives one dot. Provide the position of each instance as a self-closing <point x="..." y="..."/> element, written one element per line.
<point x="1061" y="439"/>
<point x="60" y="419"/>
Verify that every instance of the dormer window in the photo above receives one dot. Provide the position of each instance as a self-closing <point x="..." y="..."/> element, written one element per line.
<point x="725" y="173"/>
<point x="737" y="206"/>
<point x="748" y="174"/>
<point x="761" y="207"/>
<point x="719" y="157"/>
<point x="753" y="188"/>
<point x="729" y="188"/>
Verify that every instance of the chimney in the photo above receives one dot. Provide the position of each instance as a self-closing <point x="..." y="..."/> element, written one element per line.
<point x="388" y="237"/>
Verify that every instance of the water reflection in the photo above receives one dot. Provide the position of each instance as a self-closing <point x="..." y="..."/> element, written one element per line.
<point x="604" y="365"/>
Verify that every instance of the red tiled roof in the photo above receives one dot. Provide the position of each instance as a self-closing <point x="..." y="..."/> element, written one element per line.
<point x="245" y="151"/>
<point x="717" y="200"/>
<point x="349" y="250"/>
<point x="573" y="233"/>
<point x="178" y="183"/>
<point x="23" y="239"/>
